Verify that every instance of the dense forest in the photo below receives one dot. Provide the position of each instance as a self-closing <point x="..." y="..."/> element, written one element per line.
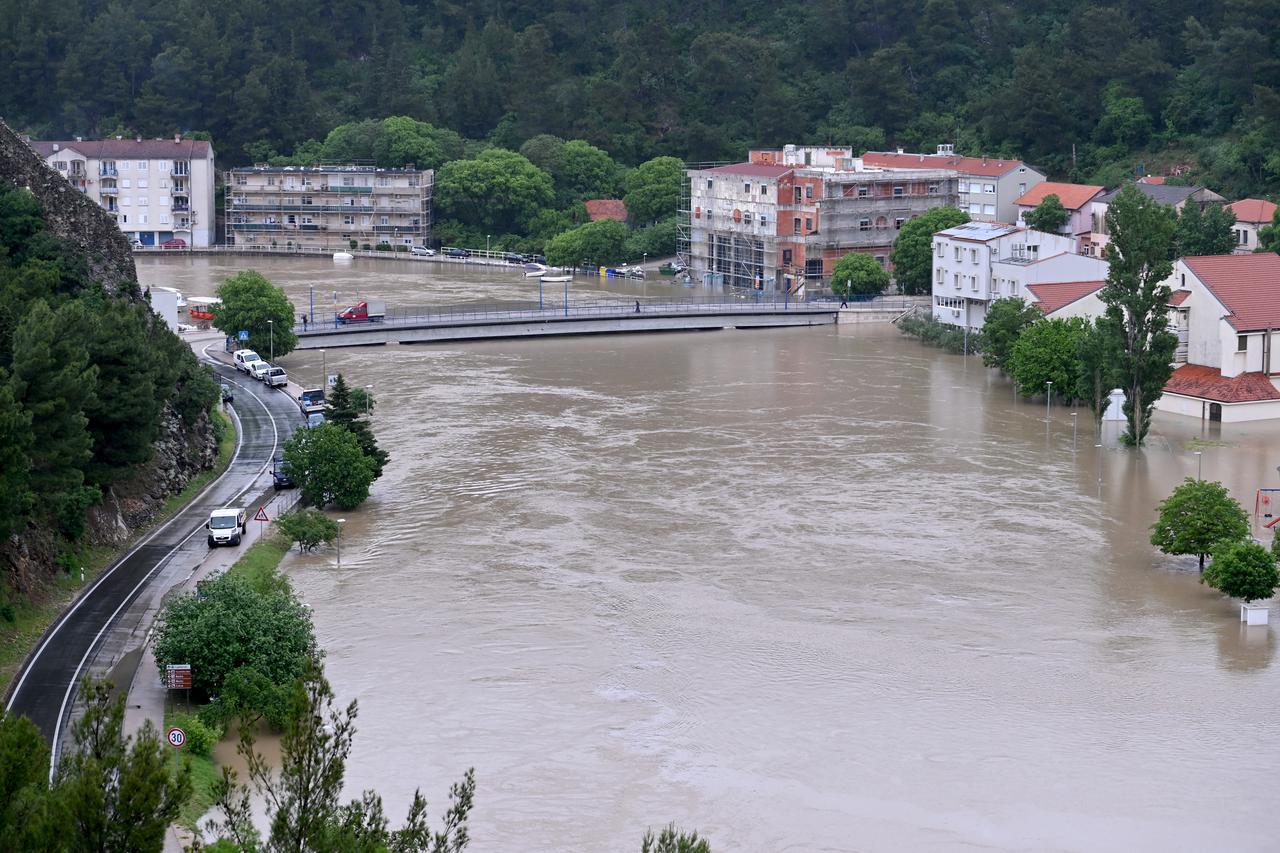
<point x="1085" y="90"/>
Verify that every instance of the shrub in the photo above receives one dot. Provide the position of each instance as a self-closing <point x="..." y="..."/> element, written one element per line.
<point x="307" y="527"/>
<point x="1243" y="569"/>
<point x="353" y="244"/>
<point x="943" y="335"/>
<point x="201" y="737"/>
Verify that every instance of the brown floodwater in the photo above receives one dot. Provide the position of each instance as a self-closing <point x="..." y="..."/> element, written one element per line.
<point x="815" y="589"/>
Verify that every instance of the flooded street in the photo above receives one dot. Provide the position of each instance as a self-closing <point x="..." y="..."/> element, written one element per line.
<point x="811" y="590"/>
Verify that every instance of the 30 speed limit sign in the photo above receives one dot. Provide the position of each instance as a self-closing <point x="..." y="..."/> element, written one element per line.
<point x="177" y="737"/>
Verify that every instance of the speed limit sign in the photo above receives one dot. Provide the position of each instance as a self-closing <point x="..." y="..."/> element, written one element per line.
<point x="177" y="737"/>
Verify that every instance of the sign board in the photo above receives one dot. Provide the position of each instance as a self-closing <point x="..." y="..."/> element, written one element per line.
<point x="176" y="737"/>
<point x="333" y="379"/>
<point x="262" y="514"/>
<point x="177" y="676"/>
<point x="244" y="336"/>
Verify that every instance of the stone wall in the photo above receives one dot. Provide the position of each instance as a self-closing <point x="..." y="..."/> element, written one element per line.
<point x="70" y="214"/>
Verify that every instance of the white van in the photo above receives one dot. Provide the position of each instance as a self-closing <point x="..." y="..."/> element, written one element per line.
<point x="242" y="358"/>
<point x="226" y="526"/>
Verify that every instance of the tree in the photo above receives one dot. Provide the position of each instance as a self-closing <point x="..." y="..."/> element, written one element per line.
<point x="252" y="303"/>
<point x="672" y="840"/>
<point x="1048" y="216"/>
<point x="308" y="527"/>
<point x="118" y="792"/>
<point x="1096" y="362"/>
<point x="1006" y="320"/>
<point x="858" y="274"/>
<point x="586" y="172"/>
<point x="16" y="438"/>
<point x="912" y="254"/>
<point x="329" y="466"/>
<point x="1207" y="232"/>
<point x="1048" y="351"/>
<point x="497" y="192"/>
<point x="1196" y="517"/>
<point x="1269" y="235"/>
<point x="653" y="190"/>
<point x="602" y="242"/>
<point x="1136" y="317"/>
<point x="227" y="624"/>
<point x="25" y="820"/>
<point x="302" y="795"/>
<point x="343" y="410"/>
<point x="1243" y="569"/>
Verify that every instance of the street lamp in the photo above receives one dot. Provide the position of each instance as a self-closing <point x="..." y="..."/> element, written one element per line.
<point x="1048" y="398"/>
<point x="341" y="522"/>
<point x="486" y="244"/>
<point x="1074" y="422"/>
<point x="1098" y="447"/>
<point x="271" y="329"/>
<point x="324" y="371"/>
<point x="1199" y="465"/>
<point x="368" y="392"/>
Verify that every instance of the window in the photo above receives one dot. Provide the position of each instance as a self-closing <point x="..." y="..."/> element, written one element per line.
<point x="813" y="268"/>
<point x="307" y="220"/>
<point x="864" y="224"/>
<point x="973" y="282"/>
<point x="124" y="219"/>
<point x="1242" y="237"/>
<point x="143" y="201"/>
<point x="164" y="219"/>
<point x="164" y="184"/>
<point x="163" y="201"/>
<point x="808" y="190"/>
<point x="61" y="165"/>
<point x="1022" y="189"/>
<point x="880" y="259"/>
<point x="124" y="164"/>
<point x="786" y="257"/>
<point x="989" y="188"/>
<point x="938" y="246"/>
<point x="241" y="180"/>
<point x="764" y="190"/>
<point x="126" y="183"/>
<point x="764" y="220"/>
<point x="709" y="183"/>
<point x="799" y="195"/>
<point x="937" y="276"/>
<point x="862" y="191"/>
<point x="897" y="192"/>
<point x="1242" y="343"/>
<point x="142" y="183"/>
<point x="989" y="209"/>
<point x="975" y="209"/>
<point x="747" y="187"/>
<point x="795" y="223"/>
<point x="306" y="199"/>
<point x="291" y="219"/>
<point x="348" y="181"/>
<point x="897" y="222"/>
<point x="964" y="186"/>
<point x="808" y="224"/>
<point x="142" y="165"/>
<point x="973" y="253"/>
<point x="384" y="182"/>
<point x="142" y="219"/>
<point x="348" y="220"/>
<point x="164" y="165"/>
<point x="955" y="279"/>
<point x="933" y="189"/>
<point x="957" y="250"/>
<point x="385" y="221"/>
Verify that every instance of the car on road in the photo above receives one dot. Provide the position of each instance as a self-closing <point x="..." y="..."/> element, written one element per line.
<point x="175" y="243"/>
<point x="456" y="253"/>
<point x="535" y="259"/>
<point x="312" y="419"/>
<point x="241" y="359"/>
<point x="228" y="396"/>
<point x="280" y="478"/>
<point x="276" y="377"/>
<point x="514" y="258"/>
<point x="422" y="251"/>
<point x="226" y="526"/>
<point x="258" y="370"/>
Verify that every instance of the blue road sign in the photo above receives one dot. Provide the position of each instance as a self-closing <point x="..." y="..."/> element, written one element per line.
<point x="244" y="336"/>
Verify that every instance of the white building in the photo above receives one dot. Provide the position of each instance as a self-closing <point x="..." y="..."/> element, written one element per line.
<point x="1251" y="215"/>
<point x="1062" y="300"/>
<point x="158" y="190"/>
<point x="1227" y="310"/>
<point x="988" y="187"/>
<point x="979" y="262"/>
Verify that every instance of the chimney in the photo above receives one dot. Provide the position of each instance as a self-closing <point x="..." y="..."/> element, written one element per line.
<point x="79" y="139"/>
<point x="138" y="138"/>
<point x="55" y="146"/>
<point x="119" y="137"/>
<point x="177" y="137"/>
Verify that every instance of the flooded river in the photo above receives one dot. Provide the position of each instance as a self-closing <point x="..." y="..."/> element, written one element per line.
<point x="810" y="590"/>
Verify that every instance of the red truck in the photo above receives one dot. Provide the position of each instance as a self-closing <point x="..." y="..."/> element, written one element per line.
<point x="372" y="311"/>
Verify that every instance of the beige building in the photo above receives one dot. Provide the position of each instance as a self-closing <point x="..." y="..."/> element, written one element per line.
<point x="159" y="191"/>
<point x="988" y="188"/>
<point x="328" y="207"/>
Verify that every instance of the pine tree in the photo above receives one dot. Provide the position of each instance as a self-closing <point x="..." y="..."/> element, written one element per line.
<point x="343" y="411"/>
<point x="16" y="439"/>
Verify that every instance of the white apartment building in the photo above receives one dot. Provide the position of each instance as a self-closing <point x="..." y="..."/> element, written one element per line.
<point x="979" y="262"/>
<point x="1252" y="215"/>
<point x="988" y="187"/>
<point x="157" y="190"/>
<point x="328" y="207"/>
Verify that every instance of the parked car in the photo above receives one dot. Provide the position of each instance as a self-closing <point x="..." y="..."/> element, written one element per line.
<point x="276" y="377"/>
<point x="456" y="253"/>
<point x="535" y="259"/>
<point x="135" y="243"/>
<point x="258" y="370"/>
<point x="226" y="526"/>
<point x="312" y="419"/>
<point x="280" y="478"/>
<point x="242" y="358"/>
<point x="175" y="243"/>
<point x="514" y="258"/>
<point x="422" y="250"/>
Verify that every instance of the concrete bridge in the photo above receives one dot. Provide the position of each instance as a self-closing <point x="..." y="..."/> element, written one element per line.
<point x="463" y="323"/>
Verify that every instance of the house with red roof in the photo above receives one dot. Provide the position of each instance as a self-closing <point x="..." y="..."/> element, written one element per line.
<point x="1229" y="317"/>
<point x="1060" y="300"/>
<point x="1076" y="198"/>
<point x="988" y="188"/>
<point x="1252" y="214"/>
<point x="606" y="208"/>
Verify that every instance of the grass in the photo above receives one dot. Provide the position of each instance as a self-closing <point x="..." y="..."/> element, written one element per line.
<point x="260" y="561"/>
<point x="33" y="618"/>
<point x="204" y="773"/>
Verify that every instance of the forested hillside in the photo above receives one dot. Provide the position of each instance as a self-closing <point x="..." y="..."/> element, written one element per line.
<point x="1086" y="90"/>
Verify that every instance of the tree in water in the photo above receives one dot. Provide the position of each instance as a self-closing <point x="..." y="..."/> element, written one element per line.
<point x="1136" y="318"/>
<point x="1196" y="517"/>
<point x="345" y="408"/>
<point x="672" y="840"/>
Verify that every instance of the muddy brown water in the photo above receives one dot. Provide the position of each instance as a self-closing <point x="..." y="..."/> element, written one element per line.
<point x="813" y="589"/>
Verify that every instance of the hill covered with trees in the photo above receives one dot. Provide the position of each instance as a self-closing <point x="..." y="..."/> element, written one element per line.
<point x="1085" y="90"/>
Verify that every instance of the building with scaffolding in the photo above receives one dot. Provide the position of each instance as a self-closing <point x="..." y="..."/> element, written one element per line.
<point x="328" y="206"/>
<point x="786" y="216"/>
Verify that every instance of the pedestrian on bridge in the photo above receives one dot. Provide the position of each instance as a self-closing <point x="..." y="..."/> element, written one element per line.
<point x="304" y="322"/>
<point x="637" y="306"/>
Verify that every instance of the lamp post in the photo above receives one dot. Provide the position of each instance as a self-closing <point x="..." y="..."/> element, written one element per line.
<point x="312" y="315"/>
<point x="271" y="330"/>
<point x="368" y="392"/>
<point x="1199" y="464"/>
<point x="324" y="371"/>
<point x="341" y="522"/>
<point x="1048" y="398"/>
<point x="1074" y="422"/>
<point x="1098" y="447"/>
<point x="486" y="245"/>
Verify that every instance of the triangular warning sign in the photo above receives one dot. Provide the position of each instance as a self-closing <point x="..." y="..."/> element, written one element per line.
<point x="262" y="514"/>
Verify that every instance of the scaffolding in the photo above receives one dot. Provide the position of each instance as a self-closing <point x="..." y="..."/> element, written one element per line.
<point x="722" y="241"/>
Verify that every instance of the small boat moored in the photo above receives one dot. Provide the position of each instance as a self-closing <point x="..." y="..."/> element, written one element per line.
<point x="343" y="256"/>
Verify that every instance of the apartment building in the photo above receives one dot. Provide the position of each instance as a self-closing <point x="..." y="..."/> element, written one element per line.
<point x="786" y="216"/>
<point x="979" y="262"/>
<point x="1166" y="194"/>
<point x="157" y="190"/>
<point x="328" y="207"/>
<point x="988" y="188"/>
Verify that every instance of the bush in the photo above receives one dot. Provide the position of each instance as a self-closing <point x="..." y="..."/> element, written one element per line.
<point x="1243" y="569"/>
<point x="400" y="248"/>
<point x="383" y="247"/>
<point x="353" y="244"/>
<point x="201" y="737"/>
<point x="308" y="527"/>
<point x="943" y="335"/>
<point x="366" y="247"/>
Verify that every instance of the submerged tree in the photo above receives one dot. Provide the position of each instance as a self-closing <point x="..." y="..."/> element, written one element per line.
<point x="672" y="840"/>
<point x="1243" y="569"/>
<point x="1196" y="517"/>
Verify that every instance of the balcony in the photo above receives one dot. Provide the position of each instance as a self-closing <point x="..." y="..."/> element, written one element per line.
<point x="181" y="208"/>
<point x="179" y="189"/>
<point x="106" y="190"/>
<point x="106" y="171"/>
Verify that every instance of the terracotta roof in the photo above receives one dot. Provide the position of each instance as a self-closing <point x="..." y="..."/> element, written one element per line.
<point x="1155" y="180"/>
<point x="1255" y="210"/>
<point x="989" y="167"/>
<point x="753" y="169"/>
<point x="606" y="208"/>
<point x="1194" y="380"/>
<point x="1072" y="196"/>
<point x="1059" y="294"/>
<point x="127" y="149"/>
<point x="1248" y="285"/>
<point x="1178" y="297"/>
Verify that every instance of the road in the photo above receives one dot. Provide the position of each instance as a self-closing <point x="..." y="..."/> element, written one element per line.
<point x="45" y="688"/>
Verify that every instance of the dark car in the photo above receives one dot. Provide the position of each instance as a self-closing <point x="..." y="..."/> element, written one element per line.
<point x="514" y="258"/>
<point x="175" y="243"/>
<point x="280" y="479"/>
<point x="535" y="259"/>
<point x="456" y="253"/>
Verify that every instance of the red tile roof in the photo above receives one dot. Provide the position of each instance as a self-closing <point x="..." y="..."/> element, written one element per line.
<point x="753" y="169"/>
<point x="1194" y="380"/>
<point x="1054" y="295"/>
<point x="1178" y="297"/>
<point x="1072" y="196"/>
<point x="1155" y="180"/>
<point x="1248" y="285"/>
<point x="985" y="166"/>
<point x="1255" y="210"/>
<point x="127" y="149"/>
<point x="606" y="208"/>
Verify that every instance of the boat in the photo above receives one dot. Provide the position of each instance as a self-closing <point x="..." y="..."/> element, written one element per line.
<point x="534" y="270"/>
<point x="555" y="279"/>
<point x="201" y="307"/>
<point x="343" y="256"/>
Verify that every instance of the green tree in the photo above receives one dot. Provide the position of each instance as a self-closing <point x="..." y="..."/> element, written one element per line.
<point x="653" y="190"/>
<point x="118" y="792"/>
<point x="586" y="172"/>
<point x="304" y="812"/>
<point x="308" y="527"/>
<point x="252" y="303"/>
<point x="1243" y="569"/>
<point x="672" y="840"/>
<point x="329" y="466"/>
<point x="602" y="242"/>
<point x="28" y="820"/>
<point x="1048" y="216"/>
<point x="1269" y="235"/>
<point x="1096" y="362"/>
<point x="655" y="241"/>
<point x="1006" y="320"/>
<point x="1136" y="317"/>
<point x="227" y="624"/>
<point x="1196" y="517"/>
<point x="1207" y="232"/>
<point x="858" y="274"/>
<point x="497" y="192"/>
<point x="546" y="152"/>
<point x="16" y="439"/>
<point x="912" y="254"/>
<point x="343" y="410"/>
<point x="1048" y="351"/>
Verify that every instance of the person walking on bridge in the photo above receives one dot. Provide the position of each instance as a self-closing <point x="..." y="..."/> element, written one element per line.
<point x="637" y="306"/>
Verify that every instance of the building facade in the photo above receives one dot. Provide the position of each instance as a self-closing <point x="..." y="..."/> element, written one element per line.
<point x="328" y="207"/>
<point x="1176" y="197"/>
<point x="1076" y="199"/>
<point x="987" y="187"/>
<point x="158" y="190"/>
<point x="1252" y="214"/>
